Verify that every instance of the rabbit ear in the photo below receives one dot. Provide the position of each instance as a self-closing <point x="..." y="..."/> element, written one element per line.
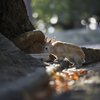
<point x="51" y="41"/>
<point x="47" y="39"/>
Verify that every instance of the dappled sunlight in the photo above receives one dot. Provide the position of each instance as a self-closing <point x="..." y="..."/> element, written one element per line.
<point x="66" y="15"/>
<point x="93" y="23"/>
<point x="41" y="25"/>
<point x="66" y="21"/>
<point x="92" y="26"/>
<point x="35" y="15"/>
<point x="83" y="22"/>
<point x="92" y="20"/>
<point x="54" y="19"/>
<point x="61" y="81"/>
<point x="51" y="30"/>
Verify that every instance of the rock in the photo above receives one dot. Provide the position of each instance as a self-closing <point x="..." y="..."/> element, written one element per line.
<point x="35" y="48"/>
<point x="91" y="55"/>
<point x="6" y="45"/>
<point x="30" y="42"/>
<point x="15" y="63"/>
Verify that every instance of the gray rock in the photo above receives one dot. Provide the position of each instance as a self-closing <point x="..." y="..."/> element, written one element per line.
<point x="15" y="63"/>
<point x="6" y="44"/>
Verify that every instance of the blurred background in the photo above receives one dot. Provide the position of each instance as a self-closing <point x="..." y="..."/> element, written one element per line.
<point x="75" y="21"/>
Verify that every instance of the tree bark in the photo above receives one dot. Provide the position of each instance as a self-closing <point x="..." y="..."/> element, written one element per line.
<point x="13" y="18"/>
<point x="15" y="25"/>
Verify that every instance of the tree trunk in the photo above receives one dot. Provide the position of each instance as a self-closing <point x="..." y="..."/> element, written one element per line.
<point x="13" y="18"/>
<point x="15" y="25"/>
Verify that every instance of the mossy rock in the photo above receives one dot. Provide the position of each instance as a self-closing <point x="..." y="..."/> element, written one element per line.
<point x="30" y="42"/>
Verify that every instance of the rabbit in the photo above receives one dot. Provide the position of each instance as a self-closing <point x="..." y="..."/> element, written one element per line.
<point x="63" y="50"/>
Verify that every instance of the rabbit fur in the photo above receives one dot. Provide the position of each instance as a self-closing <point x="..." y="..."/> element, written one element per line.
<point x="63" y="50"/>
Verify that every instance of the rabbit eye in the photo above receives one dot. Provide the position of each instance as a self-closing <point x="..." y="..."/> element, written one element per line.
<point x="46" y="48"/>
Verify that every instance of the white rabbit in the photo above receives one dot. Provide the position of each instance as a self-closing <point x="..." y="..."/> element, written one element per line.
<point x="62" y="50"/>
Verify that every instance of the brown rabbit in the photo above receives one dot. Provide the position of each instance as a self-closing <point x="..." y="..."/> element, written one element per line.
<point x="62" y="50"/>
